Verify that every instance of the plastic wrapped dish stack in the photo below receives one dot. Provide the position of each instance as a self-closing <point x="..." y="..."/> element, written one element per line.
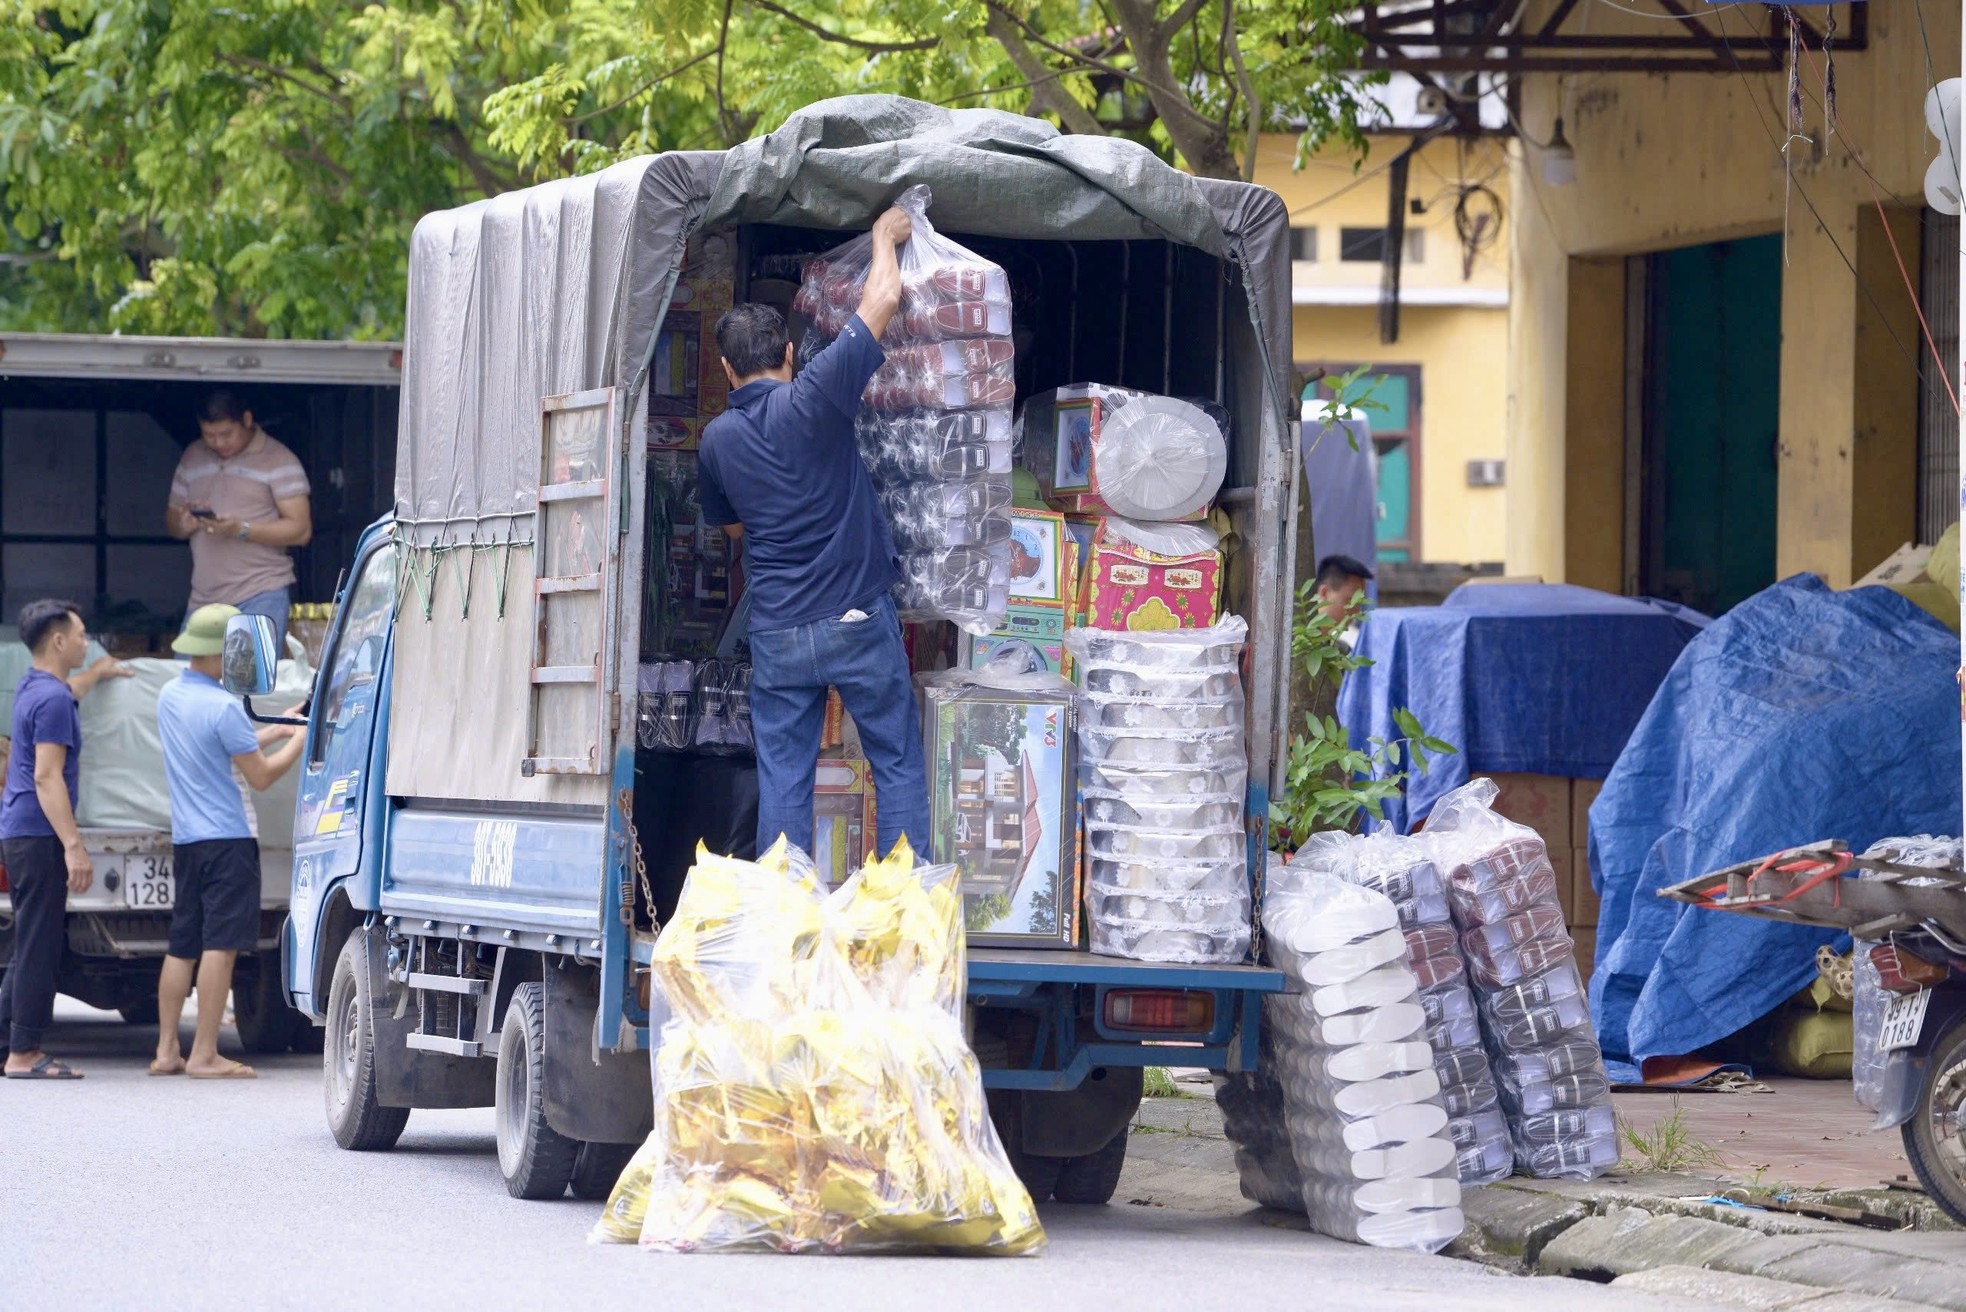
<point x="935" y="422"/>
<point x="1162" y="762"/>
<point x="1361" y="1097"/>
<point x="813" y="1090"/>
<point x="1534" y="1017"/>
<point x="1404" y="871"/>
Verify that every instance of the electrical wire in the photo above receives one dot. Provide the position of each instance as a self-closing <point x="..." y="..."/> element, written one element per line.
<point x="1642" y="13"/>
<point x="1911" y="289"/>
<point x="1910" y="357"/>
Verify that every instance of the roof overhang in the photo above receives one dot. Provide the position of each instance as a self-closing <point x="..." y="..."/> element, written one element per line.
<point x="199" y="359"/>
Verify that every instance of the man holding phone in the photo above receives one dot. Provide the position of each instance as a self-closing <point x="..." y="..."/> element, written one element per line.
<point x="241" y="500"/>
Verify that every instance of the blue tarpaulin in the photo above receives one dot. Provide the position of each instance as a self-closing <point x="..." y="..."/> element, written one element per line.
<point x="1802" y="714"/>
<point x="1521" y="678"/>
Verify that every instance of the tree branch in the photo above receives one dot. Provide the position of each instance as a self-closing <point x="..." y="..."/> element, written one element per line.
<point x="1248" y="85"/>
<point x="1170" y="27"/>
<point x="250" y="64"/>
<point x="488" y="180"/>
<point x="874" y="47"/>
<point x="1076" y="56"/>
<point x="649" y="85"/>
<point x="1202" y="141"/>
<point x="1046" y="94"/>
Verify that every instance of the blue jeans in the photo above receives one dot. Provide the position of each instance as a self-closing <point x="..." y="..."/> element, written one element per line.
<point x="277" y="606"/>
<point x="791" y="670"/>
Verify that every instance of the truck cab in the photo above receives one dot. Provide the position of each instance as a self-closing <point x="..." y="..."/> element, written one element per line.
<point x="485" y="849"/>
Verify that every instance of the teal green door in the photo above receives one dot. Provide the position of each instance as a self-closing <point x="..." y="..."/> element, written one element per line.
<point x="1711" y="396"/>
<point x="1395" y="498"/>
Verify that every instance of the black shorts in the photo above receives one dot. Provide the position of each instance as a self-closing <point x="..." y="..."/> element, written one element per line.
<point x="217" y="897"/>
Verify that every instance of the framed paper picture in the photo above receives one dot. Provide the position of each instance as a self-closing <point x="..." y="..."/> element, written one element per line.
<point x="1004" y="806"/>
<point x="1037" y="558"/>
<point x="1072" y="431"/>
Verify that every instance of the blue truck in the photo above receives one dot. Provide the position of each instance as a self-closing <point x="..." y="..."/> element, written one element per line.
<point x="474" y="903"/>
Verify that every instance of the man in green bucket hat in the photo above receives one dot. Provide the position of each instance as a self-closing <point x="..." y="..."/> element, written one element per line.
<point x="212" y="755"/>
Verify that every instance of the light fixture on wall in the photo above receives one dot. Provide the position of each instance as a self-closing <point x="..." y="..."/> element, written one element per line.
<point x="1559" y="160"/>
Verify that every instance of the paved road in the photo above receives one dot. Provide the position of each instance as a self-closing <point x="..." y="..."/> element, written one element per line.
<point x="126" y="1191"/>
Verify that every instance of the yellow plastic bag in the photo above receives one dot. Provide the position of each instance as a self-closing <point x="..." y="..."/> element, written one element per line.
<point x="814" y="1092"/>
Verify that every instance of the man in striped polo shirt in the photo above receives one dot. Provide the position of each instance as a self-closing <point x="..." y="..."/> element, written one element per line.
<point x="241" y="500"/>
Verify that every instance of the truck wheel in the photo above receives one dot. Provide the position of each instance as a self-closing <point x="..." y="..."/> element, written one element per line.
<point x="359" y="1123"/>
<point x="536" y="1160"/>
<point x="1935" y="1136"/>
<point x="1092" y="1178"/>
<point x="598" y="1167"/>
<point x="265" y="1022"/>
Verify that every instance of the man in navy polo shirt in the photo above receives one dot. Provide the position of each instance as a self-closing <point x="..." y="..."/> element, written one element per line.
<point x="781" y="472"/>
<point x="38" y="834"/>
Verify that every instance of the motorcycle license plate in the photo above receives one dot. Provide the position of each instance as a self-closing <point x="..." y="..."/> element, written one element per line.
<point x="149" y="884"/>
<point x="1904" y="1018"/>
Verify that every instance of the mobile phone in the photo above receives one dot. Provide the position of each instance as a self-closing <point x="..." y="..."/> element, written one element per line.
<point x="201" y="512"/>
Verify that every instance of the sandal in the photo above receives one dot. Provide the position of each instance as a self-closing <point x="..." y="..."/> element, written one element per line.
<point x="47" y="1069"/>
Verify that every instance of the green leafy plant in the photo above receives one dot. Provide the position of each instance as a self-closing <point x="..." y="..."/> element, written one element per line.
<point x="1157" y="1083"/>
<point x="1668" y="1146"/>
<point x="1328" y="780"/>
<point x="1350" y="391"/>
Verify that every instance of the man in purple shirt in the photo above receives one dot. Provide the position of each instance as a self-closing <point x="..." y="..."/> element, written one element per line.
<point x="38" y="835"/>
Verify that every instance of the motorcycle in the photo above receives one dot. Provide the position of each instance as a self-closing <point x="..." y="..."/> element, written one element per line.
<point x="1911" y="922"/>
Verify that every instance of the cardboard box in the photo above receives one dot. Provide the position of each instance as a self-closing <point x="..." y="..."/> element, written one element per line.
<point x="1585" y="941"/>
<point x="842" y="818"/>
<point x="1540" y="801"/>
<point x="1561" y="862"/>
<point x="1038" y="578"/>
<point x="1130" y="587"/>
<point x="1584" y="905"/>
<point x="1003" y="804"/>
<point x="1582" y="793"/>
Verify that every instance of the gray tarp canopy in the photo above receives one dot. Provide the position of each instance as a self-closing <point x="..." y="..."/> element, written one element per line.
<point x="561" y="288"/>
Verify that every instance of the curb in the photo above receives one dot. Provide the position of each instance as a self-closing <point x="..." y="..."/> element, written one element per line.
<point x="1735" y="1258"/>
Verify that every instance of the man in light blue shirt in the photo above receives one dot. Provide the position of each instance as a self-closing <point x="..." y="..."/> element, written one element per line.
<point x="212" y="756"/>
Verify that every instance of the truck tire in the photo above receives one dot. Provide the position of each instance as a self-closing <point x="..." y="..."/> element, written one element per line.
<point x="597" y="1167"/>
<point x="358" y="1122"/>
<point x="536" y="1160"/>
<point x="1935" y="1137"/>
<point x="1093" y="1178"/>
<point x="265" y="1022"/>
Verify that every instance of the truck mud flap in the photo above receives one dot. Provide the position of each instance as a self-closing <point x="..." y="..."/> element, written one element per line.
<point x="590" y="1095"/>
<point x="406" y="1077"/>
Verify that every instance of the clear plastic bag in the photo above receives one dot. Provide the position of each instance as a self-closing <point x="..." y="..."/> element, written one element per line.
<point x="1164" y="778"/>
<point x="1535" y="1020"/>
<point x="1404" y="871"/>
<point x="935" y="424"/>
<point x="813" y="1089"/>
<point x="1361" y="1092"/>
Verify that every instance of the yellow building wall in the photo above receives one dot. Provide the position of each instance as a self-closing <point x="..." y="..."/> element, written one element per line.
<point x="1672" y="160"/>
<point x="1463" y="356"/>
<point x="1461" y="349"/>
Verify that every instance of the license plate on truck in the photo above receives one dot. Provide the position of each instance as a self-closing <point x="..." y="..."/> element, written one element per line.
<point x="149" y="883"/>
<point x="1904" y="1019"/>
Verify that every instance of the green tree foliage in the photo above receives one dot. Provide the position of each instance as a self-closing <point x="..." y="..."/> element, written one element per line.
<point x="181" y="166"/>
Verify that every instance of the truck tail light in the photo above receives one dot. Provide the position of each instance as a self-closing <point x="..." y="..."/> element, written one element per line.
<point x="1160" y="1011"/>
<point x="1901" y="972"/>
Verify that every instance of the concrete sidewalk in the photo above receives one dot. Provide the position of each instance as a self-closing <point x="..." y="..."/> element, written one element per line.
<point x="1651" y="1228"/>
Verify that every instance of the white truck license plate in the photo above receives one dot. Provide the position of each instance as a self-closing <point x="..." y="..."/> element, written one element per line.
<point x="1903" y="1019"/>
<point x="149" y="884"/>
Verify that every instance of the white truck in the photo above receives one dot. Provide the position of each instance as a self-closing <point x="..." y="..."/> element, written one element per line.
<point x="91" y="429"/>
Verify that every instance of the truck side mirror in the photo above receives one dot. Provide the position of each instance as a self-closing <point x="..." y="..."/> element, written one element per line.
<point x="251" y="655"/>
